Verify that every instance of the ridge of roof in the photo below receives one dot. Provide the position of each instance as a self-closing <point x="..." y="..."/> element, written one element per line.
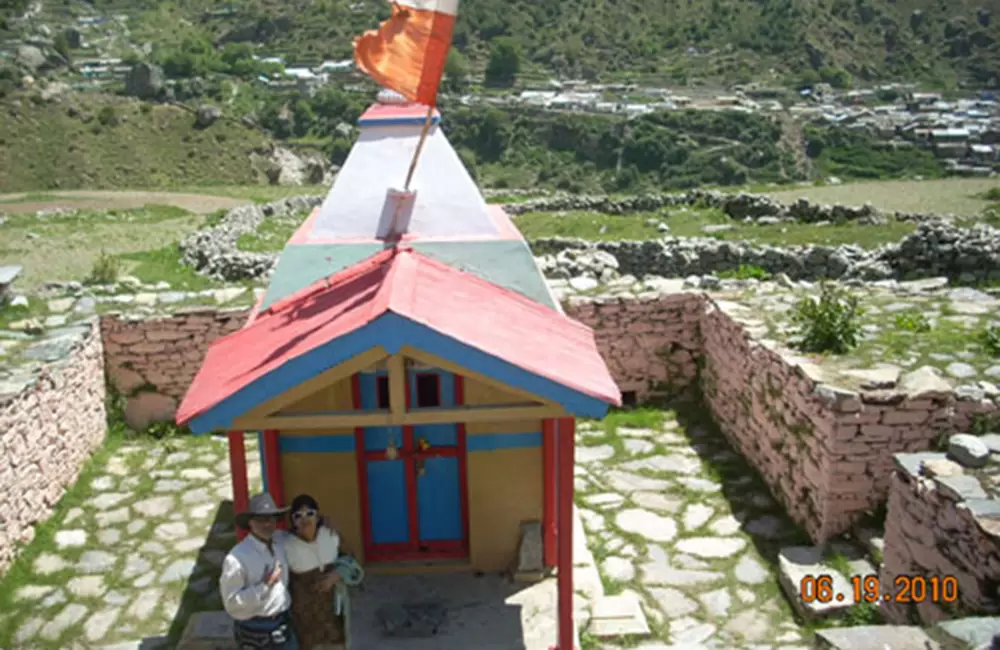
<point x="329" y="281"/>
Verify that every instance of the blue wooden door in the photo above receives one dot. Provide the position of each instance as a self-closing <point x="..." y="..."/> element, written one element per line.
<point x="413" y="479"/>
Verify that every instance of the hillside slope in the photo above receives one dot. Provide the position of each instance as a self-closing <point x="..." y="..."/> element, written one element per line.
<point x="99" y="141"/>
<point x="679" y="40"/>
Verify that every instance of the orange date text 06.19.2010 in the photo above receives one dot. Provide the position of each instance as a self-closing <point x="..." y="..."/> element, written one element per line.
<point x="821" y="588"/>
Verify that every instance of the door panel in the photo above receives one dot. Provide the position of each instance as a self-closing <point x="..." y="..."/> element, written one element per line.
<point x="415" y="501"/>
<point x="439" y="504"/>
<point x="387" y="504"/>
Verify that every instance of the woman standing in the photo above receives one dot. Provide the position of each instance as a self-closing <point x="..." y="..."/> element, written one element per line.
<point x="311" y="552"/>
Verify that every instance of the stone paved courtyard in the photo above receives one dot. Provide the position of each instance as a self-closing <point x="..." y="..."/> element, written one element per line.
<point x="135" y="554"/>
<point x="675" y="516"/>
<point x="671" y="513"/>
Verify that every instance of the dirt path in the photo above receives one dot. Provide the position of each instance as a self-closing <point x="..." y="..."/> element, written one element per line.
<point x="106" y="200"/>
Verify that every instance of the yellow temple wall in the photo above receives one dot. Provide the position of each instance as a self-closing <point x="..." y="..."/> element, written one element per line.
<point x="505" y="482"/>
<point x="504" y="474"/>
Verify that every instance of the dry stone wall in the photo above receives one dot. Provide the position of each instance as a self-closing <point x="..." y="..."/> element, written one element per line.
<point x="941" y="526"/>
<point x="825" y="452"/>
<point x="152" y="361"/>
<point x="651" y="344"/>
<point x="48" y="429"/>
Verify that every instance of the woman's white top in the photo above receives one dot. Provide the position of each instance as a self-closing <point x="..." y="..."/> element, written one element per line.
<point x="305" y="556"/>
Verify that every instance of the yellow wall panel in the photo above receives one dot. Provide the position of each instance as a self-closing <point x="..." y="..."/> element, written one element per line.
<point x="331" y="479"/>
<point x="505" y="489"/>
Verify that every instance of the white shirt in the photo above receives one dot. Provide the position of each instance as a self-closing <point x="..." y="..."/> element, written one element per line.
<point x="245" y="594"/>
<point x="305" y="556"/>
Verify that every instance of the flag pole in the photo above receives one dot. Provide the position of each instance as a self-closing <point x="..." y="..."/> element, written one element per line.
<point x="420" y="148"/>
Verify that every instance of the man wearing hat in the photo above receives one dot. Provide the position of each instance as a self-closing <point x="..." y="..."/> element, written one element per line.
<point x="254" y="581"/>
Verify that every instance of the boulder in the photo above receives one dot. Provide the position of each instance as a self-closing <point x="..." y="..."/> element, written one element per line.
<point x="968" y="450"/>
<point x="207" y="115"/>
<point x="146" y="408"/>
<point x="144" y="80"/>
<point x="30" y="57"/>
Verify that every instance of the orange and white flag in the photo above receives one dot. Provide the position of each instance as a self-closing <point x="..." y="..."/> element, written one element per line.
<point x="408" y="51"/>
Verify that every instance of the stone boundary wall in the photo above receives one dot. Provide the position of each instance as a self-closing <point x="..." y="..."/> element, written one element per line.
<point x="651" y="344"/>
<point x="941" y="523"/>
<point x="825" y="452"/>
<point x="153" y="361"/>
<point x="47" y="431"/>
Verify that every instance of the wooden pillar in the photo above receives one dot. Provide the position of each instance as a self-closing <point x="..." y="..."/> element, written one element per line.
<point x="272" y="458"/>
<point x="549" y="478"/>
<point x="238" y="472"/>
<point x="566" y="429"/>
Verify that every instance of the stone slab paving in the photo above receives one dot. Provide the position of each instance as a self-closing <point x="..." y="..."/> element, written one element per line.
<point x="679" y="522"/>
<point x="127" y="567"/>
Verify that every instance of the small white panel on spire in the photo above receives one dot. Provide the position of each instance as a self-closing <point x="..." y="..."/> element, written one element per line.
<point x="387" y="96"/>
<point x="437" y="6"/>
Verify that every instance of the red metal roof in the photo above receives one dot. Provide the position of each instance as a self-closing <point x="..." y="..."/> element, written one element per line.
<point x="459" y="305"/>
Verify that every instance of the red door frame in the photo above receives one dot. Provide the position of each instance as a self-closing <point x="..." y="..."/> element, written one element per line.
<point x="412" y="549"/>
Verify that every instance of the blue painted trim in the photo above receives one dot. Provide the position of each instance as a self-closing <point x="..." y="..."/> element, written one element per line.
<point x="338" y="444"/>
<point x="497" y="441"/>
<point x="291" y="373"/>
<point x="397" y="121"/>
<point x="317" y="444"/>
<point x="392" y="332"/>
<point x="432" y="342"/>
<point x="263" y="462"/>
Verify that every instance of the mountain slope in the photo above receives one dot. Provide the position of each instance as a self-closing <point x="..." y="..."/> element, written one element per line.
<point x="98" y="142"/>
<point x="735" y="40"/>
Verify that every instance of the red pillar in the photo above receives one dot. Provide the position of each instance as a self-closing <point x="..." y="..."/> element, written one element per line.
<point x="238" y="472"/>
<point x="272" y="460"/>
<point x="549" y="478"/>
<point x="567" y="432"/>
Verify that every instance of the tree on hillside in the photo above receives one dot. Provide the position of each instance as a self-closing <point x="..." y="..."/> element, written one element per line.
<point x="504" y="63"/>
<point x="456" y="68"/>
<point x="61" y="45"/>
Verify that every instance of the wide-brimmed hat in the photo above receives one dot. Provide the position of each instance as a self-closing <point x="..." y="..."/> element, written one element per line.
<point x="261" y="505"/>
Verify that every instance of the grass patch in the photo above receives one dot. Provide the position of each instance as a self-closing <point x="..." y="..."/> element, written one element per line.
<point x="691" y="223"/>
<point x="36" y="308"/>
<point x="272" y="234"/>
<point x="30" y="197"/>
<point x="945" y="336"/>
<point x="959" y="196"/>
<point x="746" y="272"/>
<point x="164" y="265"/>
<point x="641" y="418"/>
<point x="66" y="247"/>
<point x="255" y="193"/>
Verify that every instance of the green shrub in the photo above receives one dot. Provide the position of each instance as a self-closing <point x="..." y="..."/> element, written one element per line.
<point x="991" y="340"/>
<point x="912" y="321"/>
<point x="746" y="272"/>
<point x="829" y="324"/>
<point x="108" y="116"/>
<point x="105" y="270"/>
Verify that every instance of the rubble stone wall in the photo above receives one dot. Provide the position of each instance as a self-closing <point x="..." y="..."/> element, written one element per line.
<point x="153" y="361"/>
<point x="48" y="430"/>
<point x="651" y="345"/>
<point x="825" y="452"/>
<point x="939" y="529"/>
